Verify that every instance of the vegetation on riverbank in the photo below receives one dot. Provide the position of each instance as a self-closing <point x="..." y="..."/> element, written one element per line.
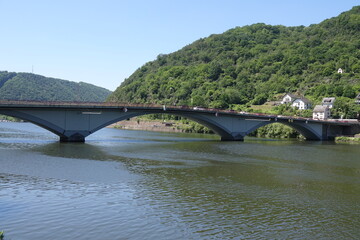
<point x="276" y="130"/>
<point x="343" y="139"/>
<point x="4" y="118"/>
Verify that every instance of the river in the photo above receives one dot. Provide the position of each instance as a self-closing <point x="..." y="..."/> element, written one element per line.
<point x="125" y="184"/>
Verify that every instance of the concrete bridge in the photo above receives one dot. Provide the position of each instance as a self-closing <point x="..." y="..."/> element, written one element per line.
<point x="73" y="122"/>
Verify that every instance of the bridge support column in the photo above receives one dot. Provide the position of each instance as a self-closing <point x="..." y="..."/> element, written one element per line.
<point x="241" y="139"/>
<point x="73" y="138"/>
<point x="233" y="137"/>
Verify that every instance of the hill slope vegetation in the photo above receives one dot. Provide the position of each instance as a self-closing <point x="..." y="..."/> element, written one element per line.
<point x="28" y="86"/>
<point x="254" y="64"/>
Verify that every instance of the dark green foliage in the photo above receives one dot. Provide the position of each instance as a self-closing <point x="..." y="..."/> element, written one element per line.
<point x="251" y="64"/>
<point x="344" y="108"/>
<point x="275" y="130"/>
<point x="28" y="86"/>
<point x="5" y="76"/>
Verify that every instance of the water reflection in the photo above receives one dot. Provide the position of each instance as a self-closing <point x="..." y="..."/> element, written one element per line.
<point x="72" y="150"/>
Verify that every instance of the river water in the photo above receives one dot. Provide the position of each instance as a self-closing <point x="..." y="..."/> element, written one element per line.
<point x="146" y="185"/>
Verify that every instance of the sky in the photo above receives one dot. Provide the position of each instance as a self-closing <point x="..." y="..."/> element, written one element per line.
<point x="103" y="42"/>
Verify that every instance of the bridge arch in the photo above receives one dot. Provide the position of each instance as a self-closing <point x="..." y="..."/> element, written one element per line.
<point x="34" y="120"/>
<point x="214" y="126"/>
<point x="70" y="134"/>
<point x="303" y="129"/>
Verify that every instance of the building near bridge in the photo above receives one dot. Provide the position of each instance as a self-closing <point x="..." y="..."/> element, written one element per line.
<point x="301" y="103"/>
<point x="328" y="101"/>
<point x="321" y="112"/>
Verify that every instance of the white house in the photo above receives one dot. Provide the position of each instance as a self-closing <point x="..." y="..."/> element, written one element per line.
<point x="296" y="101"/>
<point x="301" y="103"/>
<point x="321" y="112"/>
<point x="329" y="101"/>
<point x="340" y="70"/>
<point x="288" y="98"/>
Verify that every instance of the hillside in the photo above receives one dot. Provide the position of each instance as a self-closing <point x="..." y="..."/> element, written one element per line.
<point x="254" y="64"/>
<point x="28" y="86"/>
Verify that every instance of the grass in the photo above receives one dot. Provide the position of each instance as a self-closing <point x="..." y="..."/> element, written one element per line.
<point x="263" y="108"/>
<point x="348" y="139"/>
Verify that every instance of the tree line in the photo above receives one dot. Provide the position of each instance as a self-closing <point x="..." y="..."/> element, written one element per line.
<point x="33" y="87"/>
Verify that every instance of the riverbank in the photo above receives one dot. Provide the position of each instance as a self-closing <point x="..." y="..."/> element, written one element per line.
<point x="162" y="125"/>
<point x="149" y="125"/>
<point x="343" y="139"/>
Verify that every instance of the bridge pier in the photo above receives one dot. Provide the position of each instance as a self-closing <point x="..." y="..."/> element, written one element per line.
<point x="240" y="139"/>
<point x="74" y="138"/>
<point x="234" y="137"/>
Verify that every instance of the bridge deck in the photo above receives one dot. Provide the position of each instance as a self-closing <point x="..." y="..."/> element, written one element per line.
<point x="112" y="105"/>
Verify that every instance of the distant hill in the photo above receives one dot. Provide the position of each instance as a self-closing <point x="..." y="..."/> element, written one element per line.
<point x="252" y="65"/>
<point x="28" y="86"/>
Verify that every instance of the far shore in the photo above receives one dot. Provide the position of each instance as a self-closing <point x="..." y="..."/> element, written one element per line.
<point x="148" y="125"/>
<point x="177" y="127"/>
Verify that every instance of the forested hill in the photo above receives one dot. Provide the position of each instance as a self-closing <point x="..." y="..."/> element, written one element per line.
<point x="28" y="86"/>
<point x="253" y="64"/>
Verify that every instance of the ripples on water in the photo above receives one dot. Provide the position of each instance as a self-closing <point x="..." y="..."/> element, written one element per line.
<point x="144" y="185"/>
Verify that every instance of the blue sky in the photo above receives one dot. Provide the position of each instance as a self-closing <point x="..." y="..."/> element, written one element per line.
<point x="103" y="42"/>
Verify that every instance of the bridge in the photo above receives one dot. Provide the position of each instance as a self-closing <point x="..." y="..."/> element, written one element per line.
<point x="73" y="122"/>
